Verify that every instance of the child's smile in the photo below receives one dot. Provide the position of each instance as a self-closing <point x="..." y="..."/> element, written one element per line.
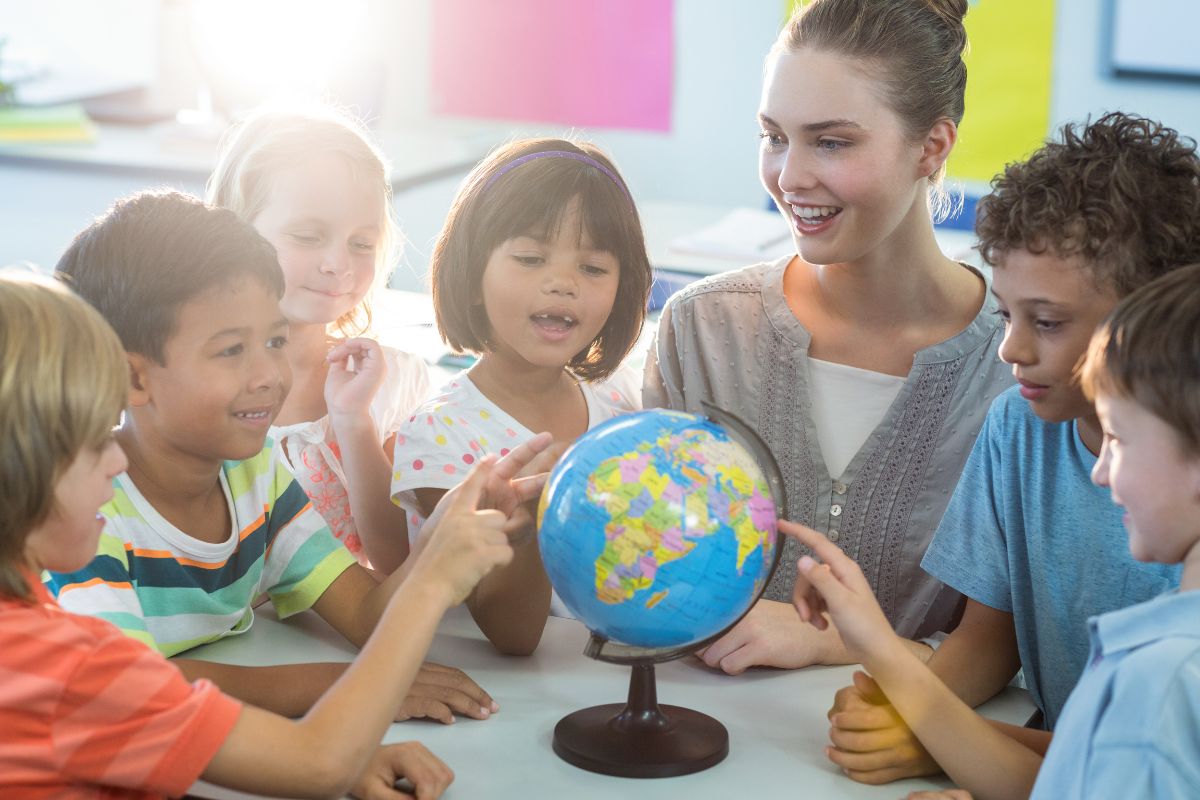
<point x="225" y="375"/>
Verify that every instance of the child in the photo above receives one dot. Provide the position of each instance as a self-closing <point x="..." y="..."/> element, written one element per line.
<point x="317" y="189"/>
<point x="85" y="710"/>
<point x="206" y="518"/>
<point x="1035" y="547"/>
<point x="1131" y="727"/>
<point x="864" y="359"/>
<point x="541" y="269"/>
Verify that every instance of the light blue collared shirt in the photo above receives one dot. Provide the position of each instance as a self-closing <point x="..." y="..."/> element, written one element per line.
<point x="1131" y="728"/>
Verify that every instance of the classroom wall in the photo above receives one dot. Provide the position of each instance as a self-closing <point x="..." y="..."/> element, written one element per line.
<point x="710" y="155"/>
<point x="1082" y="84"/>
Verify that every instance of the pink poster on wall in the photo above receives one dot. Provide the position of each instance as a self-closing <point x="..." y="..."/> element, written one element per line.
<point x="603" y="64"/>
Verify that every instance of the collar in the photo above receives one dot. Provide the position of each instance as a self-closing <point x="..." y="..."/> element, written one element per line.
<point x="39" y="594"/>
<point x="1173" y="614"/>
<point x="978" y="333"/>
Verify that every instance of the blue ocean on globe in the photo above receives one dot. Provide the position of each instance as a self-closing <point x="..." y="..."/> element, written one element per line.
<point x="657" y="529"/>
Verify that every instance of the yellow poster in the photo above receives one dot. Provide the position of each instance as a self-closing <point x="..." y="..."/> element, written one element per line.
<point x="1008" y="84"/>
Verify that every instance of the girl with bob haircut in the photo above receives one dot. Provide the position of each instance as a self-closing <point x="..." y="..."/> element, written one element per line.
<point x="541" y="269"/>
<point x="64" y="380"/>
<point x="867" y="358"/>
<point x="313" y="183"/>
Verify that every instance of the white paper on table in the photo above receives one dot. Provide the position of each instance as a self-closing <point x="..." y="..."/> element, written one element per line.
<point x="743" y="234"/>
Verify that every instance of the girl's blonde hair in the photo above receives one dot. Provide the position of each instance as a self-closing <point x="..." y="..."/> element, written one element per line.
<point x="63" y="384"/>
<point x="256" y="147"/>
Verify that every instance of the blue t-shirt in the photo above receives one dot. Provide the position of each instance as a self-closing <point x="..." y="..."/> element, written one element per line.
<point x="1027" y="532"/>
<point x="1132" y="725"/>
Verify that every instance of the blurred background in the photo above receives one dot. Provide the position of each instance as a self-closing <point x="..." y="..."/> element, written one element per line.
<point x="106" y="98"/>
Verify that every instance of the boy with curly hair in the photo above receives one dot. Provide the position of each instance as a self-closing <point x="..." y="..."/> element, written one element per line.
<point x="1031" y="542"/>
<point x="1130" y="726"/>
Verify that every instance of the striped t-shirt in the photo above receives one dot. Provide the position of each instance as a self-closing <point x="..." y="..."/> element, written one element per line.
<point x="175" y="592"/>
<point x="87" y="712"/>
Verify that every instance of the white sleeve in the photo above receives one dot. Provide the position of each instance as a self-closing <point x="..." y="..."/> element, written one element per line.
<point x="623" y="388"/>
<point x="404" y="388"/>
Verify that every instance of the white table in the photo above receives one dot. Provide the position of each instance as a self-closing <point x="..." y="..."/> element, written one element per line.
<point x="776" y="719"/>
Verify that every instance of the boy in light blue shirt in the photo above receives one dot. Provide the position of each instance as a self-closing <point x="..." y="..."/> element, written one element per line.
<point x="1131" y="727"/>
<point x="1032" y="544"/>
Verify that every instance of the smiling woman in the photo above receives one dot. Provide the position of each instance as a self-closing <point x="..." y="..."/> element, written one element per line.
<point x="866" y="359"/>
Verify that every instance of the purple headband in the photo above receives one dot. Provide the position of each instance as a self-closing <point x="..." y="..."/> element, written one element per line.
<point x="580" y="157"/>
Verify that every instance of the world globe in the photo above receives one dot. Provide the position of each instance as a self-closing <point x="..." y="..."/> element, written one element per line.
<point x="657" y="529"/>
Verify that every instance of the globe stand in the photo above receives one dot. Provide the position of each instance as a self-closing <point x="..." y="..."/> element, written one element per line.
<point x="641" y="739"/>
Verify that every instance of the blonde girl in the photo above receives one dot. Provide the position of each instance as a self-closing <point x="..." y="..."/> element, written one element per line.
<point x="315" y="186"/>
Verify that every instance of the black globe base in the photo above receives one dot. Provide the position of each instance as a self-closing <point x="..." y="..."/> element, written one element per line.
<point x="641" y="739"/>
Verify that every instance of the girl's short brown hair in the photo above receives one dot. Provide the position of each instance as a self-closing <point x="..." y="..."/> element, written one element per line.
<point x="496" y="204"/>
<point x="1148" y="350"/>
<point x="63" y="384"/>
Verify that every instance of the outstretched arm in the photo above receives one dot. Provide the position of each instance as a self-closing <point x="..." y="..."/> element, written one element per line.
<point x="320" y="755"/>
<point x="953" y="733"/>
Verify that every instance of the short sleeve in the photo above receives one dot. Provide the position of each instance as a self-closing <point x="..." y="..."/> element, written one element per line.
<point x="404" y="388"/>
<point x="1119" y="773"/>
<point x="104" y="588"/>
<point x="303" y="557"/>
<point x="438" y="445"/>
<point x="969" y="552"/>
<point x="128" y="718"/>
<point x="622" y="389"/>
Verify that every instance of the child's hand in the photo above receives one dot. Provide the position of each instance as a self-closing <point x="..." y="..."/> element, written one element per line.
<point x="839" y="587"/>
<point x="467" y="542"/>
<point x="949" y="794"/>
<point x="439" y="692"/>
<point x="516" y="479"/>
<point x="871" y="743"/>
<point x="356" y="371"/>
<point x="426" y="775"/>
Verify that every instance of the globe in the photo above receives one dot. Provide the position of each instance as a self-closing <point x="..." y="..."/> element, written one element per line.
<point x="657" y="529"/>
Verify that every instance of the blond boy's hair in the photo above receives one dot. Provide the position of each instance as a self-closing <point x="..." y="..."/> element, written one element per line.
<point x="259" y="145"/>
<point x="1148" y="349"/>
<point x="63" y="384"/>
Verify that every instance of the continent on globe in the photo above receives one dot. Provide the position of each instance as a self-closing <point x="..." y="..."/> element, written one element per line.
<point x="654" y="521"/>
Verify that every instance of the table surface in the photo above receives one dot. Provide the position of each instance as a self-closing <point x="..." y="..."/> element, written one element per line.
<point x="776" y="719"/>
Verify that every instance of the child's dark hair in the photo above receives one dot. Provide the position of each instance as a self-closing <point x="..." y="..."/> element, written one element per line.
<point x="1121" y="194"/>
<point x="1148" y="349"/>
<point x="498" y="202"/>
<point x="153" y="252"/>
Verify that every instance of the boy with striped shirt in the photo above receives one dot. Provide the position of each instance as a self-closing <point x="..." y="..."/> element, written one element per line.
<point x="207" y="517"/>
<point x="86" y="711"/>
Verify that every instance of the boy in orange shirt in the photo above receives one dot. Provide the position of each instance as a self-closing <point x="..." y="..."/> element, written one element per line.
<point x="85" y="709"/>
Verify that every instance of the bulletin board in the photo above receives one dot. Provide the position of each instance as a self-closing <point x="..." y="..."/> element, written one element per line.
<point x="603" y="64"/>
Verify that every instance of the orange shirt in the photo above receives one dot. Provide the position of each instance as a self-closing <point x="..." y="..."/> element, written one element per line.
<point x="86" y="711"/>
